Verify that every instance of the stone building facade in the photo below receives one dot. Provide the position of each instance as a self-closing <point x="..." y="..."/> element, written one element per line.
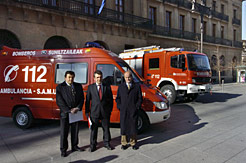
<point x="124" y="24"/>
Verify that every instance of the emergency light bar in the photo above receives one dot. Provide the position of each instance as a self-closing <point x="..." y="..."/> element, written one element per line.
<point x="92" y="45"/>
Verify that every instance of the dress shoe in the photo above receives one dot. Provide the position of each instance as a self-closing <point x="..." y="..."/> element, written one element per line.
<point x="64" y="154"/>
<point x="123" y="147"/>
<point x="77" y="149"/>
<point x="108" y="147"/>
<point x="134" y="147"/>
<point x="92" y="149"/>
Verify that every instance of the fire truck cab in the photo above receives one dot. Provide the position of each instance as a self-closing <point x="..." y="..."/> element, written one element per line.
<point x="28" y="80"/>
<point x="175" y="71"/>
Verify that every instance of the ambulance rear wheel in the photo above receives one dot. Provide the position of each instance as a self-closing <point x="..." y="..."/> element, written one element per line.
<point x="170" y="92"/>
<point x="22" y="118"/>
<point x="143" y="121"/>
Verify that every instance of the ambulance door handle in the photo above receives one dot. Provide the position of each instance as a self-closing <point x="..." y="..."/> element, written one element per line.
<point x="148" y="74"/>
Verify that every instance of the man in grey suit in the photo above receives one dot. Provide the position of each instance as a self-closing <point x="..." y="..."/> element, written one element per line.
<point x="70" y="99"/>
<point x="99" y="104"/>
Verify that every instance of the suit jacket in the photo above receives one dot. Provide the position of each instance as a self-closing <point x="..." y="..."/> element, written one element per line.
<point x="66" y="101"/>
<point x="97" y="107"/>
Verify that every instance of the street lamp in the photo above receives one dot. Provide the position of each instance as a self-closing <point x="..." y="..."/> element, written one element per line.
<point x="202" y="9"/>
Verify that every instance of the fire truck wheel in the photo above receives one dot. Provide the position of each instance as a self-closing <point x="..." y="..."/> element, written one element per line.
<point x="170" y="92"/>
<point x="143" y="121"/>
<point x="22" y="117"/>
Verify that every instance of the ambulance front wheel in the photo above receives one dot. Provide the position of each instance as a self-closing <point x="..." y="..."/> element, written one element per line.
<point x="143" y="121"/>
<point x="22" y="117"/>
<point x="170" y="92"/>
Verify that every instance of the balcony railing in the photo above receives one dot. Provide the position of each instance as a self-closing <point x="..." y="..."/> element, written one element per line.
<point x="238" y="44"/>
<point x="86" y="9"/>
<point x="236" y="21"/>
<point x="188" y="5"/>
<point x="219" y="15"/>
<point x="216" y="40"/>
<point x="182" y="3"/>
<point x="170" y="32"/>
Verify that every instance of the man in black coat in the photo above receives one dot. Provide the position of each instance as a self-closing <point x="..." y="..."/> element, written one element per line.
<point x="99" y="104"/>
<point x="70" y="99"/>
<point x="129" y="100"/>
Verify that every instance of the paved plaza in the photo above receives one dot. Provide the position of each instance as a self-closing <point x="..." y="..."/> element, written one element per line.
<point x="212" y="129"/>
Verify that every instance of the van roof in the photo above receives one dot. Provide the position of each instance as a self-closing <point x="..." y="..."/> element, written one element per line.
<point x="57" y="53"/>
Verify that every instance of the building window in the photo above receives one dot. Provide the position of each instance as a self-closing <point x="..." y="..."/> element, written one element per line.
<point x="152" y="14"/>
<point x="205" y="28"/>
<point x="119" y="6"/>
<point x="181" y="22"/>
<point x="168" y="19"/>
<point x="234" y="13"/>
<point x="154" y="64"/>
<point x="222" y="8"/>
<point x="204" y="2"/>
<point x="222" y="32"/>
<point x="234" y="35"/>
<point x="89" y="7"/>
<point x="213" y="5"/>
<point x="193" y="25"/>
<point x="214" y="30"/>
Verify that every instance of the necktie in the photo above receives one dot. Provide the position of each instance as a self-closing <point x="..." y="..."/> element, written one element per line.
<point x="72" y="90"/>
<point x="100" y="92"/>
<point x="128" y="85"/>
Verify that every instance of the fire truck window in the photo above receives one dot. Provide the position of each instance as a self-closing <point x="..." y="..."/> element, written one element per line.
<point x="174" y="61"/>
<point x="111" y="74"/>
<point x="80" y="70"/>
<point x="154" y="64"/>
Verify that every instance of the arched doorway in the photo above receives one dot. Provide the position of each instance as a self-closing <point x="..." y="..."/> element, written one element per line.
<point x="103" y="44"/>
<point x="9" y="39"/>
<point x="56" y="42"/>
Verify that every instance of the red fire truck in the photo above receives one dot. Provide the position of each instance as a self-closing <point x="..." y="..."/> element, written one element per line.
<point x="174" y="71"/>
<point x="28" y="81"/>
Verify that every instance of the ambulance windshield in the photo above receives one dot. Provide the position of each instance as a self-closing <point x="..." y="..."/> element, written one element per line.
<point x="198" y="62"/>
<point x="126" y="67"/>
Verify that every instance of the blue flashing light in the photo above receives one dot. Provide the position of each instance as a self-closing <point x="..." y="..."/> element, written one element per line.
<point x="92" y="45"/>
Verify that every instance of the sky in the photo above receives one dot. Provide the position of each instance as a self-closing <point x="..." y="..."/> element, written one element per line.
<point x="244" y="21"/>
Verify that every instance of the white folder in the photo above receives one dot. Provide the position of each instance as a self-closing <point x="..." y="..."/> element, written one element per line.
<point x="76" y="117"/>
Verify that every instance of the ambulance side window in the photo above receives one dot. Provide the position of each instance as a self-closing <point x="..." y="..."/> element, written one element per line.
<point x="80" y="70"/>
<point x="111" y="74"/>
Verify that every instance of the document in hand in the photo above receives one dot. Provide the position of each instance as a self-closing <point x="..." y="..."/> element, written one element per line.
<point x="89" y="123"/>
<point x="76" y="117"/>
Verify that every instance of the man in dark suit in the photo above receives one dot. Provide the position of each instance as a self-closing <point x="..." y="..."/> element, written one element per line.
<point x="70" y="99"/>
<point x="129" y="100"/>
<point x="99" y="104"/>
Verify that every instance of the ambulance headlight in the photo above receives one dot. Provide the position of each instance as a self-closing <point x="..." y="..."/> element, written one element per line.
<point x="161" y="105"/>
